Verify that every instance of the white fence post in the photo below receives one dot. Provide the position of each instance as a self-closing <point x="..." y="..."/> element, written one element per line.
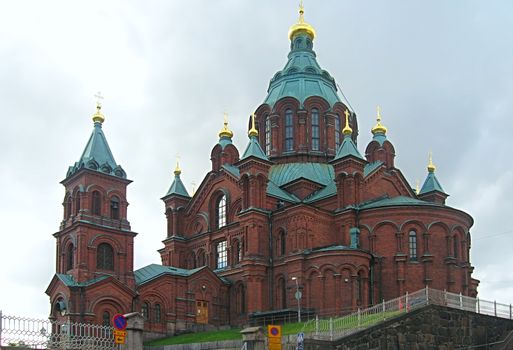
<point x="495" y="308"/>
<point x="316" y="324"/>
<point x="384" y="317"/>
<point x="407" y="302"/>
<point x="461" y="302"/>
<point x="478" y="306"/>
<point x="359" y="318"/>
<point x="331" y="328"/>
<point x="427" y="295"/>
<point x="509" y="315"/>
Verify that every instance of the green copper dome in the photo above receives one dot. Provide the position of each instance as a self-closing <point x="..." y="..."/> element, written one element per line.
<point x="302" y="76"/>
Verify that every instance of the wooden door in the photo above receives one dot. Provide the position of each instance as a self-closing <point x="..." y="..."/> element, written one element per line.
<point x="201" y="312"/>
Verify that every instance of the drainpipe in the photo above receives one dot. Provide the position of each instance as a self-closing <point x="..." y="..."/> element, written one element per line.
<point x="271" y="262"/>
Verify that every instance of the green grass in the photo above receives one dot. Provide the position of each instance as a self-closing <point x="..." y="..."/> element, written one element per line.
<point x="287" y="329"/>
<point x="200" y="337"/>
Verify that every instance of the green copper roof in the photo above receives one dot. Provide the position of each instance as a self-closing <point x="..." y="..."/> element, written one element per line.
<point x="394" y="201"/>
<point x="328" y="191"/>
<point x="97" y="156"/>
<point x="70" y="282"/>
<point x="224" y="141"/>
<point x="153" y="271"/>
<point x="370" y="167"/>
<point x="302" y="76"/>
<point x="177" y="187"/>
<point x="282" y="174"/>
<point x="380" y="138"/>
<point x="431" y="184"/>
<point x="254" y="150"/>
<point x="150" y="272"/>
<point x="347" y="148"/>
<point x="275" y="191"/>
<point x="231" y="169"/>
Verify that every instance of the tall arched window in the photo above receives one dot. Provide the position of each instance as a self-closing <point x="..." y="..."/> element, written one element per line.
<point x="77" y="203"/>
<point x="96" y="203"/>
<point x="455" y="243"/>
<point x="105" y="257"/>
<point x="106" y="318"/>
<point x="221" y="255"/>
<point x="412" y="244"/>
<point x="69" y="203"/>
<point x="158" y="313"/>
<point x="283" y="243"/>
<point x="201" y="258"/>
<point x="114" y="208"/>
<point x="241" y="300"/>
<point x="289" y="131"/>
<point x="337" y="131"/>
<point x="315" y="130"/>
<point x="282" y="288"/>
<point x="69" y="257"/>
<point x="268" y="135"/>
<point x="145" y="311"/>
<point x="221" y="211"/>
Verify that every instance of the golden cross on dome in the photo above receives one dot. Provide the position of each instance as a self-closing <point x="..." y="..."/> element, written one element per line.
<point x="378" y="113"/>
<point x="99" y="98"/>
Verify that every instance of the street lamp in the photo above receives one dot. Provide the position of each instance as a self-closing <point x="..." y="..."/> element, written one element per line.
<point x="298" y="296"/>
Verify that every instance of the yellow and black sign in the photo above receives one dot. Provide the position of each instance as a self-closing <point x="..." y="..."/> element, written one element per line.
<point x="274" y="335"/>
<point x="119" y="337"/>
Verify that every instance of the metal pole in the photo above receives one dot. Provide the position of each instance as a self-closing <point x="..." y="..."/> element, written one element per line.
<point x="495" y="308"/>
<point x="478" y="307"/>
<point x="407" y="303"/>
<point x="509" y="315"/>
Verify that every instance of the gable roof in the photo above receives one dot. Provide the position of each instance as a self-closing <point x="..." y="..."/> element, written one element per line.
<point x="431" y="184"/>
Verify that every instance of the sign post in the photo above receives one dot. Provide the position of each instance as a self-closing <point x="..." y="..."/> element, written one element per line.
<point x="119" y="322"/>
<point x="300" y="341"/>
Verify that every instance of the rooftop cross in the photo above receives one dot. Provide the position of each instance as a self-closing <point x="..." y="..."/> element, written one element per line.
<point x="99" y="98"/>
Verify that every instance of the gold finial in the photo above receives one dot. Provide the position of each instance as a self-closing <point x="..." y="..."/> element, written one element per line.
<point x="225" y="132"/>
<point x="193" y="184"/>
<point x="431" y="167"/>
<point x="378" y="128"/>
<point x="98" y="117"/>
<point x="347" y="129"/>
<point x="301" y="25"/>
<point x="253" y="131"/>
<point x="417" y="187"/>
<point x="177" y="171"/>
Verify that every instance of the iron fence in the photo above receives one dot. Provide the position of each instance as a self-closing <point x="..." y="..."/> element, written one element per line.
<point x="52" y="334"/>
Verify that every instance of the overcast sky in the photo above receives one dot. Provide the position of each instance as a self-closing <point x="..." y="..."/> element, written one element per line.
<point x="441" y="70"/>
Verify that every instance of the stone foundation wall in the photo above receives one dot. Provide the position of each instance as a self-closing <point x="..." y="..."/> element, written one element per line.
<point x="432" y="327"/>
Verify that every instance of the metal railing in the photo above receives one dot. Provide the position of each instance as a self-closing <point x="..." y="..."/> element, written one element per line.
<point x="51" y="334"/>
<point x="338" y="327"/>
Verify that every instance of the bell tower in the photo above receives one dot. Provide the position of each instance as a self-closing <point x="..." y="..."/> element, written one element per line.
<point x="95" y="239"/>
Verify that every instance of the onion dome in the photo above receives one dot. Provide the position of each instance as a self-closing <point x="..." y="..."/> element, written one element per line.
<point x="301" y="26"/>
<point x="98" y="117"/>
<point x="378" y="128"/>
<point x="431" y="167"/>
<point x="225" y="132"/>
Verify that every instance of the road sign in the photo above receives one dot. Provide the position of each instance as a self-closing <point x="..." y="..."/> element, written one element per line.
<point x="298" y="295"/>
<point x="119" y="322"/>
<point x="119" y="336"/>
<point x="300" y="341"/>
<point x="274" y="334"/>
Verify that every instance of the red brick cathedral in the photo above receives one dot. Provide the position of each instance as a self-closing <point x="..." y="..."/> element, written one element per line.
<point x="300" y="209"/>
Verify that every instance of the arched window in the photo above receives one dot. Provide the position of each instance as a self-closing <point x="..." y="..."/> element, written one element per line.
<point x="455" y="242"/>
<point x="69" y="202"/>
<point x="289" y="131"/>
<point x="283" y="243"/>
<point x="221" y="255"/>
<point x="315" y="130"/>
<point x="359" y="289"/>
<point x="69" y="257"/>
<point x="337" y="131"/>
<point x="114" y="208"/>
<point x="158" y="313"/>
<point x="96" y="203"/>
<point x="145" y="311"/>
<point x="412" y="244"/>
<point x="77" y="203"/>
<point x="282" y="289"/>
<point x="268" y="135"/>
<point x="105" y="257"/>
<point x="241" y="300"/>
<point x="106" y="318"/>
<point x="221" y="212"/>
<point x="201" y="258"/>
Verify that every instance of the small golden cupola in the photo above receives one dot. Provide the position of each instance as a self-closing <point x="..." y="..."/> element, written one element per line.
<point x="431" y="167"/>
<point x="347" y="129"/>
<point x="301" y="26"/>
<point x="225" y="132"/>
<point x="378" y="128"/>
